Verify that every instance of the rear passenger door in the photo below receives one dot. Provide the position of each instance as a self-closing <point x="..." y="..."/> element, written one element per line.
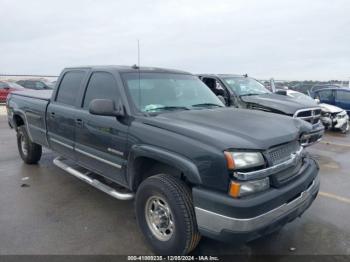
<point x="101" y="140"/>
<point x="61" y="113"/>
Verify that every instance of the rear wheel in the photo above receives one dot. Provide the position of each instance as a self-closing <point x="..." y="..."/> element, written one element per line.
<point x="165" y="215"/>
<point x="30" y="152"/>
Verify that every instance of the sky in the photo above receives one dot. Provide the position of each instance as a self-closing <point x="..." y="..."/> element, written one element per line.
<point x="284" y="39"/>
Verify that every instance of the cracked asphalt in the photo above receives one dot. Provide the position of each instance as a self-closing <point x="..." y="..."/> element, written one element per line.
<point x="44" y="210"/>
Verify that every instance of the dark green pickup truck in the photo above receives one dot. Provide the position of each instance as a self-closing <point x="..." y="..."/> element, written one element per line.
<point x="162" y="137"/>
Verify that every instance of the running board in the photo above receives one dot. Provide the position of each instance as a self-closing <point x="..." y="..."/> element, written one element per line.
<point x="58" y="161"/>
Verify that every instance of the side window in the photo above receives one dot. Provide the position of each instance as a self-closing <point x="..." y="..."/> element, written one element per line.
<point x="39" y="85"/>
<point x="210" y="82"/>
<point x="69" y="87"/>
<point x="326" y="95"/>
<point x="30" y="85"/>
<point x="343" y="96"/>
<point x="102" y="85"/>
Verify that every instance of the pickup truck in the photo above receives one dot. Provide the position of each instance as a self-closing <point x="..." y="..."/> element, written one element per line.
<point x="245" y="92"/>
<point x="194" y="167"/>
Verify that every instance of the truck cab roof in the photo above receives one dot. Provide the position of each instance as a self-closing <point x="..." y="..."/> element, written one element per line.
<point x="129" y="69"/>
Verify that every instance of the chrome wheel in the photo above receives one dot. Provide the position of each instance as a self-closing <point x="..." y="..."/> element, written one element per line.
<point x="159" y="218"/>
<point x="24" y="145"/>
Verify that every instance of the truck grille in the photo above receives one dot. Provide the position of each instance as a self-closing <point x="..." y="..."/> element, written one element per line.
<point x="311" y="115"/>
<point x="279" y="154"/>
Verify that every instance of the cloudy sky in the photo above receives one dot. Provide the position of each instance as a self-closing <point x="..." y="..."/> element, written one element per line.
<point x="284" y="39"/>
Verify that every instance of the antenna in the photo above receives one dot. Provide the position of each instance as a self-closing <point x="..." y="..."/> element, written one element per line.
<point x="138" y="53"/>
<point x="138" y="64"/>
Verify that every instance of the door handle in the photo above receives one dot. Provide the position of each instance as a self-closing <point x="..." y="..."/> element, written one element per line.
<point x="52" y="114"/>
<point x="79" y="122"/>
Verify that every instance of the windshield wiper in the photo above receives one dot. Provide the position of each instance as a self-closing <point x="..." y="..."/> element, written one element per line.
<point x="168" y="108"/>
<point x="251" y="94"/>
<point x="206" y="105"/>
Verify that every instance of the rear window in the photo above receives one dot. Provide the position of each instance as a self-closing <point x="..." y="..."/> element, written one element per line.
<point x="69" y="87"/>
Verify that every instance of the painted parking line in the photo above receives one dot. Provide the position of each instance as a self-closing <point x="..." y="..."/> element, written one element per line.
<point x="332" y="196"/>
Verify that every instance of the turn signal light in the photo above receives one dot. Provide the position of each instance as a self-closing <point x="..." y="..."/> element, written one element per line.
<point x="229" y="160"/>
<point x="234" y="189"/>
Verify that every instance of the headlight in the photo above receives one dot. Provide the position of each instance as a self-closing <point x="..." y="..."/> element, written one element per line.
<point x="243" y="160"/>
<point x="238" y="189"/>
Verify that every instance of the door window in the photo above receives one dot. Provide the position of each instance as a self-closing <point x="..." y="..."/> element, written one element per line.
<point x="102" y="85"/>
<point x="29" y="84"/>
<point x="343" y="96"/>
<point x="39" y="85"/>
<point x="69" y="87"/>
<point x="326" y="95"/>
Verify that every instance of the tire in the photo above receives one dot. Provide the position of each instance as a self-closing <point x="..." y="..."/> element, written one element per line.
<point x="30" y="152"/>
<point x="165" y="192"/>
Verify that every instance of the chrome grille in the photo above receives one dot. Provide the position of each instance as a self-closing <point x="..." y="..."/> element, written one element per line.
<point x="282" y="153"/>
<point x="311" y="115"/>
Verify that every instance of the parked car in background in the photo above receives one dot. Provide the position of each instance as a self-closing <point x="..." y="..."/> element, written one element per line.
<point x="6" y="88"/>
<point x="336" y="96"/>
<point x="317" y="87"/>
<point x="246" y="92"/>
<point x="41" y="84"/>
<point x="331" y="116"/>
<point x="302" y="87"/>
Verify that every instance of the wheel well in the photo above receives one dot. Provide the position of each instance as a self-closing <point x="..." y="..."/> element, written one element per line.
<point x="18" y="120"/>
<point x="144" y="167"/>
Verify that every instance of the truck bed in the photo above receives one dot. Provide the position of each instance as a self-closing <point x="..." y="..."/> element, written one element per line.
<point x="31" y="106"/>
<point x="38" y="94"/>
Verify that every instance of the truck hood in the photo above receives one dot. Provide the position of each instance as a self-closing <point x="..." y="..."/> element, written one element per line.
<point x="232" y="128"/>
<point x="281" y="103"/>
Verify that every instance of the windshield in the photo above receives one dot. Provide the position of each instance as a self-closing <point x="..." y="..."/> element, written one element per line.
<point x="154" y="92"/>
<point x="243" y="86"/>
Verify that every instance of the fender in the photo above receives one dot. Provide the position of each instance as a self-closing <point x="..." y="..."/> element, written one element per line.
<point x="182" y="163"/>
<point x="22" y="114"/>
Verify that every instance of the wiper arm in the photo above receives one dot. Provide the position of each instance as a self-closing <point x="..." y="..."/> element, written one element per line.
<point x="206" y="105"/>
<point x="168" y="108"/>
<point x="250" y="94"/>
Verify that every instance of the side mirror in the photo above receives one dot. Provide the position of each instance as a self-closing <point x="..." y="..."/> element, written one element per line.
<point x="105" y="107"/>
<point x="317" y="100"/>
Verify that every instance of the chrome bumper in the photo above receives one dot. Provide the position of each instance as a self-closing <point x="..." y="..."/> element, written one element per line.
<point x="216" y="223"/>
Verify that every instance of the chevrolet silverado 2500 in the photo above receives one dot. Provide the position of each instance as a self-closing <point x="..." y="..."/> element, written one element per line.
<point x="194" y="167"/>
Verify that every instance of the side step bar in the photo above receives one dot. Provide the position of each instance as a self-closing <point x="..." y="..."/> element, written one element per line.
<point x="58" y="161"/>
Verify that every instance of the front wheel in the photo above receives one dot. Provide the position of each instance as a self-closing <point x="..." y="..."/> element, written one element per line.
<point x="165" y="215"/>
<point x="30" y="152"/>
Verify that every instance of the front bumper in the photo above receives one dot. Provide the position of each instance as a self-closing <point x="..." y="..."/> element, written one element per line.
<point x="224" y="218"/>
